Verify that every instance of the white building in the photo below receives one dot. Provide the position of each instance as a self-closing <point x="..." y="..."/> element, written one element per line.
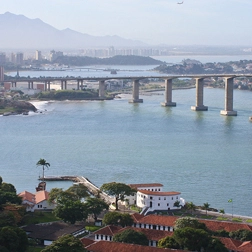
<point x="37" y="201"/>
<point x="151" y="201"/>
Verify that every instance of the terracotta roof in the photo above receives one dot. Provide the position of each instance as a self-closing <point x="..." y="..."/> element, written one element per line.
<point x="108" y="246"/>
<point x="151" y="234"/>
<point x="229" y="243"/>
<point x="27" y="196"/>
<point x="159" y="220"/>
<point x="86" y="241"/>
<point x="156" y="193"/>
<point x="136" y="217"/>
<point x="136" y="186"/>
<point x="41" y="196"/>
<point x="34" y="198"/>
<point x="227" y="226"/>
<point x="246" y="246"/>
<point x="108" y="230"/>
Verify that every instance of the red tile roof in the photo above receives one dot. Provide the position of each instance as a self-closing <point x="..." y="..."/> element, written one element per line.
<point x="229" y="243"/>
<point x="27" y="196"/>
<point x="227" y="226"/>
<point x="151" y="234"/>
<point x="155" y="193"/>
<point x="34" y="198"/>
<point x="136" y="186"/>
<point x="41" y="196"/>
<point x="108" y="230"/>
<point x="86" y="241"/>
<point x="159" y="220"/>
<point x="245" y="247"/>
<point x="136" y="217"/>
<point x="106" y="246"/>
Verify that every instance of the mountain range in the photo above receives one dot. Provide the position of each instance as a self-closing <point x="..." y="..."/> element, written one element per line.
<point x="20" y="32"/>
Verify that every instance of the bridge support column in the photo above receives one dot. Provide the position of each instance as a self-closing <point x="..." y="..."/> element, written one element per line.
<point x="229" y="88"/>
<point x="49" y="85"/>
<point x="168" y="94"/>
<point x="45" y="85"/>
<point x="199" y="96"/>
<point x="78" y="84"/>
<point x="32" y="85"/>
<point x="29" y="85"/>
<point x="65" y="84"/>
<point x="61" y="84"/>
<point x="102" y="89"/>
<point x="135" y="93"/>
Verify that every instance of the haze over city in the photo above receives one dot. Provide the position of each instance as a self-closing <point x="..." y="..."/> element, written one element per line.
<point x="195" y="22"/>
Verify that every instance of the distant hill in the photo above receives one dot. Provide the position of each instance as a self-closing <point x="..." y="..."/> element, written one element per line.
<point x="116" y="60"/>
<point x="21" y="32"/>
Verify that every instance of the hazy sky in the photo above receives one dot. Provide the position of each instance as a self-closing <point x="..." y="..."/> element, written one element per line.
<point x="195" y="22"/>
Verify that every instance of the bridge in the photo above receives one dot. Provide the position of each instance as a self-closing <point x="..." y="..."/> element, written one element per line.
<point x="199" y="80"/>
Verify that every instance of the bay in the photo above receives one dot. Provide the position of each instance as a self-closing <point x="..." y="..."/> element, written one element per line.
<point x="205" y="156"/>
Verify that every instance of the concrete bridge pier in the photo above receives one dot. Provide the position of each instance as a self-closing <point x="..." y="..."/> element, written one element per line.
<point x="101" y="88"/>
<point x="229" y="89"/>
<point x="168" y="94"/>
<point x="135" y="93"/>
<point x="62" y="84"/>
<point x="45" y="86"/>
<point x="65" y="84"/>
<point x="199" y="96"/>
<point x="14" y="84"/>
<point x="79" y="83"/>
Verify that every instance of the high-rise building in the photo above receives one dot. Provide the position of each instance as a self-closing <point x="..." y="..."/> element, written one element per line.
<point x="1" y="73"/>
<point x="2" y="58"/>
<point x="38" y="55"/>
<point x="19" y="58"/>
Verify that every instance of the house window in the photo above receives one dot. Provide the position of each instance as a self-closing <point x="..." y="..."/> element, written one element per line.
<point x="159" y="198"/>
<point x="97" y="236"/>
<point x="177" y="197"/>
<point x="164" y="198"/>
<point x="159" y="189"/>
<point x="158" y="204"/>
<point x="172" y="198"/>
<point x="151" y="197"/>
<point x="151" y="243"/>
<point x="151" y="189"/>
<point x="101" y="237"/>
<point x="167" y="204"/>
<point x="144" y="225"/>
<point x="155" y="189"/>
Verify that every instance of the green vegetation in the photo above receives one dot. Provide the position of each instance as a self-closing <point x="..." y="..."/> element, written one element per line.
<point x="65" y="243"/>
<point x="42" y="162"/>
<point x="116" y="60"/>
<point x="117" y="218"/>
<point x="38" y="217"/>
<point x="220" y="218"/>
<point x="118" y="190"/>
<point x="237" y="219"/>
<point x="68" y="95"/>
<point x="131" y="236"/>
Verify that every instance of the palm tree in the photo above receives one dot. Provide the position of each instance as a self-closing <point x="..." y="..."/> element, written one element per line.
<point x="222" y="211"/>
<point x="191" y="206"/>
<point x="42" y="162"/>
<point x="206" y="206"/>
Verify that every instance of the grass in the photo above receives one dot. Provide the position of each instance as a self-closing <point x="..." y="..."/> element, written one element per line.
<point x="92" y="228"/>
<point x="220" y="218"/>
<point x="34" y="249"/>
<point x="39" y="217"/>
<point x="237" y="219"/>
<point x="249" y="221"/>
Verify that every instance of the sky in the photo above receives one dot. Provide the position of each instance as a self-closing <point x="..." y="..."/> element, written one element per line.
<point x="195" y="22"/>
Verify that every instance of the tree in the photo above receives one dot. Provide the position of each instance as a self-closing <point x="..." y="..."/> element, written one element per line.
<point x="65" y="243"/>
<point x="168" y="242"/>
<point x="189" y="222"/>
<point x="111" y="218"/>
<point x="95" y="206"/>
<point x="222" y="211"/>
<point x="192" y="239"/>
<point x="190" y="206"/>
<point x="42" y="162"/>
<point x="176" y="203"/>
<point x="80" y="190"/>
<point x="131" y="236"/>
<point x="71" y="211"/>
<point x="206" y="206"/>
<point x="13" y="239"/>
<point x="241" y="235"/>
<point x="118" y="190"/>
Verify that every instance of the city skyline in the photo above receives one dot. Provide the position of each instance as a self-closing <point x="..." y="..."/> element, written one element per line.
<point x="194" y="22"/>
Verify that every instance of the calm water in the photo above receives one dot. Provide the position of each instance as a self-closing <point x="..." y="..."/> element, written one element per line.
<point x="205" y="156"/>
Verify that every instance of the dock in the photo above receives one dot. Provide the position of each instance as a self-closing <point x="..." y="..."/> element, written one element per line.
<point x="92" y="188"/>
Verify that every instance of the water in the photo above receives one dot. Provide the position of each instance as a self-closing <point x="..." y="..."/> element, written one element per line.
<point x="205" y="156"/>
